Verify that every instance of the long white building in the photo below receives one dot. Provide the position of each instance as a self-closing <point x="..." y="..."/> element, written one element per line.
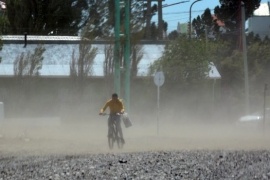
<point x="260" y="22"/>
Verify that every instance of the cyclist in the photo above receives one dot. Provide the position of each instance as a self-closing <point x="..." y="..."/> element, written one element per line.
<point x="116" y="108"/>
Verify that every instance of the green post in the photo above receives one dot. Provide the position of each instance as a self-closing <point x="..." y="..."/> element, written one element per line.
<point x="117" y="48"/>
<point x="127" y="54"/>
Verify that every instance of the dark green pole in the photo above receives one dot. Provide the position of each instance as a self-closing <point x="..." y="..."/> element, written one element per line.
<point x="127" y="54"/>
<point x="117" y="48"/>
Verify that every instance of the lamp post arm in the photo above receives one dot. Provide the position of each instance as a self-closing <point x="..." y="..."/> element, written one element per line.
<point x="189" y="31"/>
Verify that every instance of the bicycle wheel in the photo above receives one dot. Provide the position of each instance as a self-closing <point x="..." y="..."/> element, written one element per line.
<point x="110" y="141"/>
<point x="119" y="140"/>
<point x="119" y="143"/>
<point x="111" y="136"/>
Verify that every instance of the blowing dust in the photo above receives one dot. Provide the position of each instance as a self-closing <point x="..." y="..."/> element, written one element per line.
<point x="52" y="136"/>
<point x="183" y="122"/>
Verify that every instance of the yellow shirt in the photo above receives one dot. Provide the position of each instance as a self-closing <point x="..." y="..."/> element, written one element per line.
<point x="116" y="106"/>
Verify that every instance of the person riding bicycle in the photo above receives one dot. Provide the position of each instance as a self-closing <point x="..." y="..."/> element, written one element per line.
<point x="116" y="108"/>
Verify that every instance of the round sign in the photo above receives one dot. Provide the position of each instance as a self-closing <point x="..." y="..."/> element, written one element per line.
<point x="159" y="78"/>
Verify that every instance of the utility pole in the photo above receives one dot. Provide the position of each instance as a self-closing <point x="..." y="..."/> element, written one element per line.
<point x="244" y="52"/>
<point x="148" y="19"/>
<point x="127" y="54"/>
<point x="117" y="48"/>
<point x="160" y="20"/>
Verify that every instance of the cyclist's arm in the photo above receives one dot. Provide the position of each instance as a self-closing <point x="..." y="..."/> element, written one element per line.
<point x="122" y="107"/>
<point x="104" y="108"/>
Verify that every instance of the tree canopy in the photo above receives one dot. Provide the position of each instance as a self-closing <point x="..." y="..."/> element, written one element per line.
<point x="229" y="12"/>
<point x="184" y="61"/>
<point x="228" y="16"/>
<point x="63" y="17"/>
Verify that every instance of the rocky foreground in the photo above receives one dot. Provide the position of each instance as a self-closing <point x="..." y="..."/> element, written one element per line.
<point x="197" y="164"/>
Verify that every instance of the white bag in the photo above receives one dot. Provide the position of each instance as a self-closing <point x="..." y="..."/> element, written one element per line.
<point x="127" y="122"/>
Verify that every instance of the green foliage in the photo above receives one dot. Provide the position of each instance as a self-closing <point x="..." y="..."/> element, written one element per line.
<point x="154" y="31"/>
<point x="101" y="19"/>
<point x="136" y="57"/>
<point x="202" y="22"/>
<point x="106" y="12"/>
<point x="29" y="64"/>
<point x="232" y="69"/>
<point x="108" y="65"/>
<point x="136" y="16"/>
<point x="229" y="12"/>
<point x="4" y="23"/>
<point x="173" y="35"/>
<point x="46" y="17"/>
<point x="81" y="67"/>
<point x="259" y="62"/>
<point x="229" y="9"/>
<point x="97" y="22"/>
<point x="230" y="64"/>
<point x="184" y="61"/>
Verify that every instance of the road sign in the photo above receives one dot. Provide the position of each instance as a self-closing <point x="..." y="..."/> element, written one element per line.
<point x="159" y="81"/>
<point x="159" y="78"/>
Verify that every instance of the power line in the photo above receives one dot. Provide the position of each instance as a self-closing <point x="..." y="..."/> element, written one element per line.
<point x="184" y="12"/>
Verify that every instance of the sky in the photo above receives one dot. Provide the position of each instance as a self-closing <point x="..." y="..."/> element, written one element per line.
<point x="180" y="12"/>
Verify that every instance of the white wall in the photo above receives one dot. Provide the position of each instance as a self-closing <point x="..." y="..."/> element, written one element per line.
<point x="259" y="25"/>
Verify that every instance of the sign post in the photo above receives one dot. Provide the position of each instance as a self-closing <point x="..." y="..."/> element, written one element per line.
<point x="159" y="81"/>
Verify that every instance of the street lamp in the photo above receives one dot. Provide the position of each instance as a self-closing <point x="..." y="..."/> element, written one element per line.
<point x="127" y="54"/>
<point x="117" y="81"/>
<point x="190" y="26"/>
<point x="117" y="47"/>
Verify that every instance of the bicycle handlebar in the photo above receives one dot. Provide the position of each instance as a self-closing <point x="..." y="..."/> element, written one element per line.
<point x="104" y="114"/>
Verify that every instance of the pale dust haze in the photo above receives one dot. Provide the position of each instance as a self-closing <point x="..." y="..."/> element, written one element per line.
<point x="27" y="137"/>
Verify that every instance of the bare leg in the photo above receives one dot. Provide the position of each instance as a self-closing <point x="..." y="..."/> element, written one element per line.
<point x="119" y="128"/>
<point x="109" y="125"/>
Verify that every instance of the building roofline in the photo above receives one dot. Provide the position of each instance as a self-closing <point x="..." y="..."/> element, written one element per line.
<point x="32" y="39"/>
<point x="260" y="16"/>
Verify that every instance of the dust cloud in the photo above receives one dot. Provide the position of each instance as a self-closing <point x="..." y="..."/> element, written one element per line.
<point x="32" y="137"/>
<point x="184" y="121"/>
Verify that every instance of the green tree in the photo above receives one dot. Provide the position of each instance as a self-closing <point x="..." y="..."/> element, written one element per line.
<point x="135" y="57"/>
<point x="259" y="63"/>
<point x="29" y="65"/>
<point x="108" y="67"/>
<point x="231" y="67"/>
<point x="81" y="67"/>
<point x="184" y="61"/>
<point x="62" y="17"/>
<point x="136" y="15"/>
<point x="229" y="12"/>
<point x="154" y="31"/>
<point x="4" y="23"/>
<point x="26" y="72"/>
<point x="101" y="19"/>
<point x="97" y="23"/>
<point x="173" y="35"/>
<point x="203" y="23"/>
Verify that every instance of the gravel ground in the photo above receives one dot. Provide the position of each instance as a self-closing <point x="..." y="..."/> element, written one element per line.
<point x="141" y="165"/>
<point x="178" y="152"/>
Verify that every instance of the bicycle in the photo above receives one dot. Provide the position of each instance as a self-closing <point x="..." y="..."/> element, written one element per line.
<point x="114" y="134"/>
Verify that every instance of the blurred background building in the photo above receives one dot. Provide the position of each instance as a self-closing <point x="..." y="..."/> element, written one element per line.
<point x="260" y="22"/>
